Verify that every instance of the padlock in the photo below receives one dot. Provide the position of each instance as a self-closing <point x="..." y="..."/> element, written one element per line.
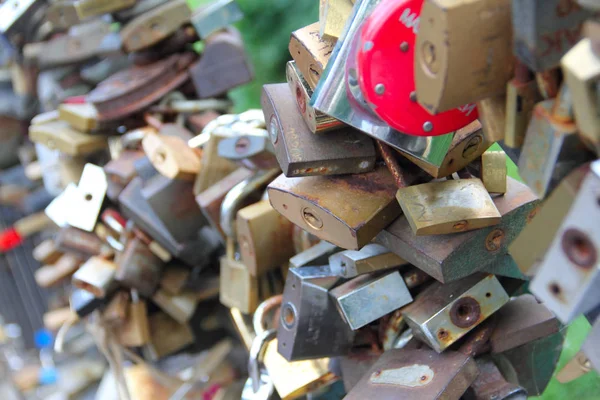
<point x="224" y="65"/>
<point x="83" y="117"/>
<point x="444" y="256"/>
<point x="310" y="326"/>
<point x="144" y="169"/>
<point x="193" y="252"/>
<point x="371" y="258"/>
<point x="390" y="96"/>
<point x="61" y="269"/>
<point x="215" y="16"/>
<point x="368" y="297"/>
<point x="214" y="168"/>
<point x="238" y="288"/>
<point x="120" y="171"/>
<point x="250" y="151"/>
<point x="172" y="200"/>
<point x="315" y="255"/>
<point x="78" y="242"/>
<point x="543" y="33"/>
<point x="62" y="15"/>
<point x="138" y="267"/>
<point x="522" y="94"/>
<point x="491" y="385"/>
<point x="481" y="51"/>
<point x="530" y="246"/>
<point x="135" y="332"/>
<point x="316" y="121"/>
<point x="91" y="8"/>
<point x="97" y="276"/>
<point x="311" y="52"/>
<point x="332" y="17"/>
<point x="416" y="374"/>
<point x="116" y="311"/>
<point x="133" y="89"/>
<point x="493" y="171"/>
<point x="578" y="366"/>
<point x="167" y="336"/>
<point x="171" y="156"/>
<point x="47" y="252"/>
<point x="180" y="307"/>
<point x="521" y="321"/>
<point x="443" y="313"/>
<point x="97" y="72"/>
<point x="590" y="346"/>
<point x="581" y="69"/>
<point x="451" y="206"/>
<point x="532" y="365"/>
<point x="468" y="144"/>
<point x="492" y="115"/>
<point x="174" y="279"/>
<point x="300" y="152"/>
<point x="317" y="204"/>
<point x="88" y="198"/>
<point x="567" y="291"/>
<point x="83" y="303"/>
<point x="210" y="200"/>
<point x="552" y="142"/>
<point x="154" y="25"/>
<point x="60" y="136"/>
<point x="71" y="49"/>
<point x="336" y="94"/>
<point x="264" y="237"/>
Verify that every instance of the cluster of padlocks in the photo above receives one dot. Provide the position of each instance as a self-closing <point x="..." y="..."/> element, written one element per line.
<point x="361" y="230"/>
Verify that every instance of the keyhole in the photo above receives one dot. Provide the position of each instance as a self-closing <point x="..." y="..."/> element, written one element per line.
<point x="242" y="144"/>
<point x="88" y="197"/>
<point x="471" y="146"/>
<point x="312" y="219"/>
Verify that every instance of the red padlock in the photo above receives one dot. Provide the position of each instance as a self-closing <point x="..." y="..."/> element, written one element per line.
<point x="385" y="69"/>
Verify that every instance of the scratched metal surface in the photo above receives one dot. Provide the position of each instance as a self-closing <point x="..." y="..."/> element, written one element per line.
<point x="22" y="301"/>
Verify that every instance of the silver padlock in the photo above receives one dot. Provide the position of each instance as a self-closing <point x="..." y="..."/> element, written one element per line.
<point x="315" y="255"/>
<point x="371" y="258"/>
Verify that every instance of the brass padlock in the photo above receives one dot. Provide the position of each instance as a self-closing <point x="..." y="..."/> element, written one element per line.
<point x="318" y="204"/>
<point x="443" y="313"/>
<point x="155" y="25"/>
<point x="552" y="145"/>
<point x="416" y="374"/>
<point x="264" y="236"/>
<point x="316" y="121"/>
<point x="332" y="17"/>
<point x="300" y="152"/>
<point x="171" y="156"/>
<point x="210" y="200"/>
<point x="116" y="311"/>
<point x="568" y="291"/>
<point x="371" y="258"/>
<point x="543" y="33"/>
<point x="522" y="94"/>
<point x="311" y="52"/>
<point x="581" y="69"/>
<point x="306" y="304"/>
<point x="224" y="65"/>
<point x="138" y="268"/>
<point x="480" y="51"/>
<point x="451" y="206"/>
<point x="91" y="8"/>
<point x="529" y="248"/>
<point x="174" y="279"/>
<point x="97" y="276"/>
<point x="62" y="15"/>
<point x="135" y="332"/>
<point x="58" y="135"/>
<point x="467" y="145"/>
<point x="180" y="307"/>
<point x="521" y="321"/>
<point x="444" y="257"/>
<point x="369" y="297"/>
<point x="493" y="171"/>
<point x="492" y="115"/>
<point x="214" y="168"/>
<point x="167" y="336"/>
<point x="83" y="117"/>
<point x="47" y="252"/>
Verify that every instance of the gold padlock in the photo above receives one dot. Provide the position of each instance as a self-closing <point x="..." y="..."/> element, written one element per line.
<point x="171" y="156"/>
<point x="180" y="307"/>
<point x="135" y="331"/>
<point x="522" y="94"/>
<point x="492" y="114"/>
<point x="214" y="168"/>
<point x="83" y="117"/>
<point x="265" y="237"/>
<point x="493" y="171"/>
<point x="167" y="336"/>
<point x="459" y="63"/>
<point x="311" y="52"/>
<point x="332" y="17"/>
<point x="174" y="279"/>
<point x="239" y="289"/>
<point x="438" y="208"/>
<point x="58" y="135"/>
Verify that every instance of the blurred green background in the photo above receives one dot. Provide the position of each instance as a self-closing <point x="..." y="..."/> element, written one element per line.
<point x="266" y="30"/>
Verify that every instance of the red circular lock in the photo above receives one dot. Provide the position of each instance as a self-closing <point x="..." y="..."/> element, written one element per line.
<point x="385" y="67"/>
